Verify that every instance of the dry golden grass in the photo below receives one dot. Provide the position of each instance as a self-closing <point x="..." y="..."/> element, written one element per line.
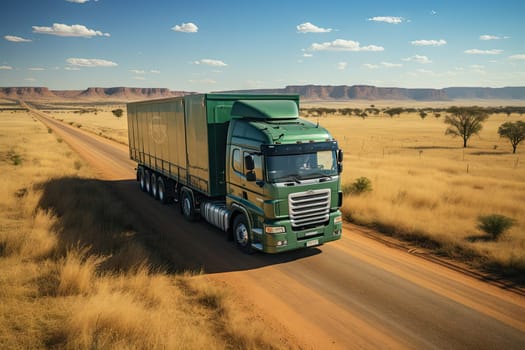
<point x="74" y="273"/>
<point x="101" y="122"/>
<point x="426" y="187"/>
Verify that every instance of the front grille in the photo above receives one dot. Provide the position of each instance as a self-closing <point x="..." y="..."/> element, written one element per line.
<point x="309" y="208"/>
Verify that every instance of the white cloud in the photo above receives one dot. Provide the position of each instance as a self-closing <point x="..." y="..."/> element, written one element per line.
<point x="517" y="57"/>
<point x="308" y="27"/>
<point x="155" y="71"/>
<point x="16" y="39"/>
<point x="476" y="66"/>
<point x="439" y="42"/>
<point x="75" y="30"/>
<point x="6" y="67"/>
<point x="138" y="71"/>
<point x="370" y="66"/>
<point x="387" y="19"/>
<point x="78" y="1"/>
<point x="342" y="65"/>
<point x="210" y="62"/>
<point x="30" y="79"/>
<point x="344" y="45"/>
<point x="139" y="77"/>
<point x="391" y="65"/>
<point x="492" y="37"/>
<point x="186" y="28"/>
<point x="418" y="59"/>
<point x="433" y="13"/>
<point x="71" y="68"/>
<point x="483" y="52"/>
<point x="202" y="81"/>
<point x="36" y="69"/>
<point x="307" y="55"/>
<point x="90" y="62"/>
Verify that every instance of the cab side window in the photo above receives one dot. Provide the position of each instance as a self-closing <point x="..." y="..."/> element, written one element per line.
<point x="237" y="160"/>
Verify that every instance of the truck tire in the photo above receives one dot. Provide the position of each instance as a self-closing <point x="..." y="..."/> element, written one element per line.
<point x="241" y="234"/>
<point x="187" y="206"/>
<point x="153" y="185"/>
<point x="147" y="180"/>
<point x="162" y="196"/>
<point x="142" y="179"/>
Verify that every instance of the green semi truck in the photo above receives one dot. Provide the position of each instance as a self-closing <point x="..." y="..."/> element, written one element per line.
<point x="245" y="163"/>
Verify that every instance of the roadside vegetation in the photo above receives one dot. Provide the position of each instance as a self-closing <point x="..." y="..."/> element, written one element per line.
<point x="98" y="118"/>
<point x="75" y="272"/>
<point x="425" y="187"/>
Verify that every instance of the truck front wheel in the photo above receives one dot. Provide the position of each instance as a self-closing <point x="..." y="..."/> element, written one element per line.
<point x="187" y="206"/>
<point x="241" y="234"/>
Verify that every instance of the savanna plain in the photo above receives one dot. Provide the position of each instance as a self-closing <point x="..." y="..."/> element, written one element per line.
<point x="74" y="273"/>
<point x="63" y="284"/>
<point x="424" y="187"/>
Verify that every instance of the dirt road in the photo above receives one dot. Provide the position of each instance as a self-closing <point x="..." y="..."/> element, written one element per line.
<point x="352" y="293"/>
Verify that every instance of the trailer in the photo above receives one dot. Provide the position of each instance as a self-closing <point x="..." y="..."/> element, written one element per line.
<point x="245" y="163"/>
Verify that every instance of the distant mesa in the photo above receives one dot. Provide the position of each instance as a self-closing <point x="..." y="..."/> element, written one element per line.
<point x="368" y="92"/>
<point x="117" y="94"/>
<point x="307" y="92"/>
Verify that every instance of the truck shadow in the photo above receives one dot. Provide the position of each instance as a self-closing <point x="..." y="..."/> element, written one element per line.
<point x="116" y="220"/>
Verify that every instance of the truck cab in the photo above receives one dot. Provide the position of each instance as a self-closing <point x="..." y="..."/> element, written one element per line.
<point x="282" y="177"/>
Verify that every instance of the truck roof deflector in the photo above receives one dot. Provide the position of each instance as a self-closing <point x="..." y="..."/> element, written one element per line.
<point x="267" y="109"/>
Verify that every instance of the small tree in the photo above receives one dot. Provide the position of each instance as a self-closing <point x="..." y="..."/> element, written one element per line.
<point x="465" y="122"/>
<point x="422" y="114"/>
<point x="495" y="225"/>
<point x="393" y="111"/>
<point x="514" y="131"/>
<point x="117" y="112"/>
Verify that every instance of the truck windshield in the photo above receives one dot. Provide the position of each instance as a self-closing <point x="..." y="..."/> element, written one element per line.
<point x="296" y="167"/>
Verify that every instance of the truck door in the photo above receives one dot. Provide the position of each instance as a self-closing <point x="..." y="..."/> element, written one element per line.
<point x="239" y="186"/>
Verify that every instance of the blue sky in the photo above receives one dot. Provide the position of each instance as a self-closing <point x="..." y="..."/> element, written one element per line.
<point x="221" y="45"/>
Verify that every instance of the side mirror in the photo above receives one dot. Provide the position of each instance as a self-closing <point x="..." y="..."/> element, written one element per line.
<point x="250" y="176"/>
<point x="339" y="161"/>
<point x="340" y="156"/>
<point x="249" y="164"/>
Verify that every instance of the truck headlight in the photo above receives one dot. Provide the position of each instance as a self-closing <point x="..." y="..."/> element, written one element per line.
<point x="338" y="219"/>
<point x="274" y="229"/>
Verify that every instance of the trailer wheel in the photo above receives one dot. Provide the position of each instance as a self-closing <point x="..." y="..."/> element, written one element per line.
<point x="153" y="185"/>
<point x="187" y="206"/>
<point x="161" y="190"/>
<point x="147" y="180"/>
<point x="142" y="179"/>
<point x="241" y="234"/>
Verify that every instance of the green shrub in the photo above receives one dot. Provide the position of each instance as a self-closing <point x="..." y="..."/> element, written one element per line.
<point x="495" y="225"/>
<point x="359" y="186"/>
